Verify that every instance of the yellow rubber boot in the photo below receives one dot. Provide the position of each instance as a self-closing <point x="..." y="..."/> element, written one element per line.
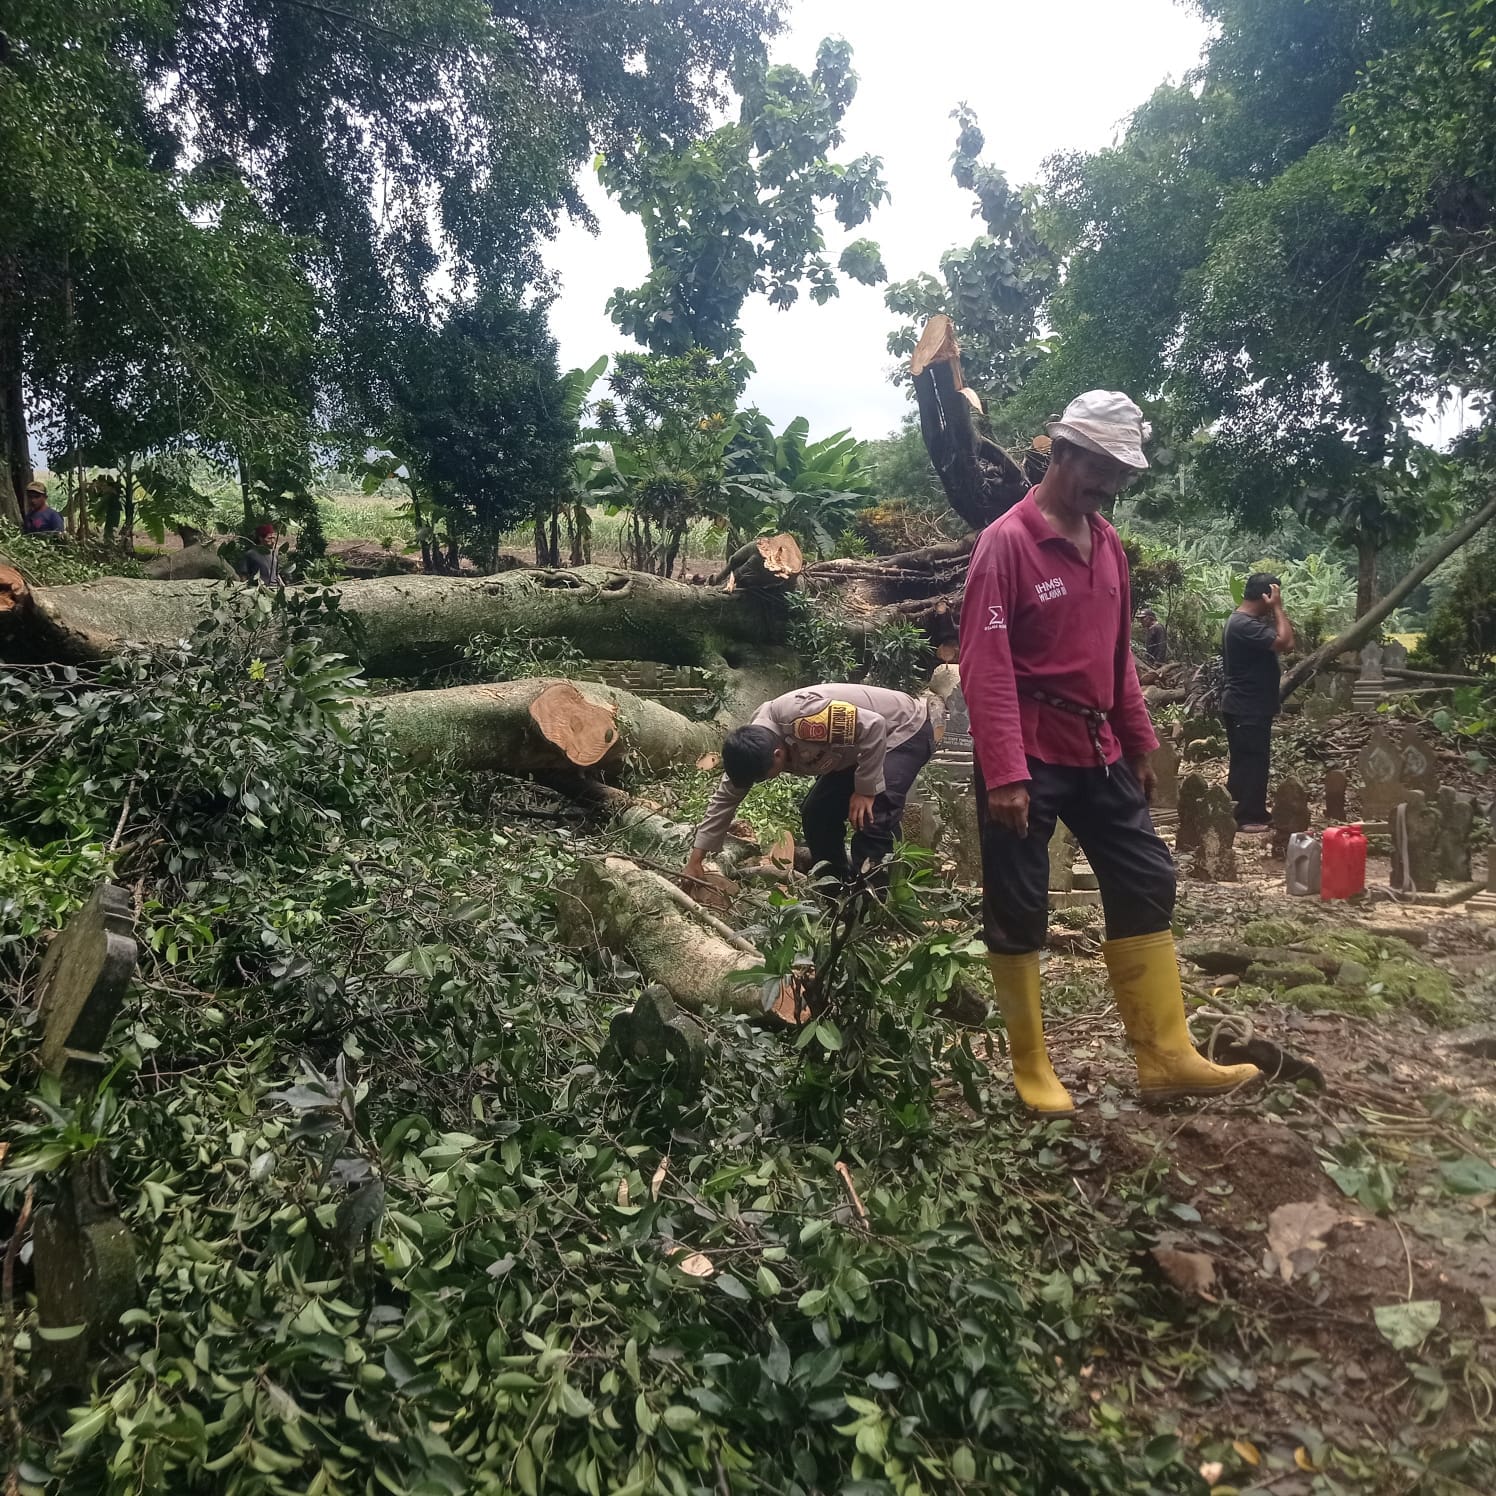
<point x="1016" y="982"/>
<point x="1145" y="978"/>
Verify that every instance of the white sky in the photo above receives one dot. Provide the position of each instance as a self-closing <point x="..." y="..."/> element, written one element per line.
<point x="1042" y="78"/>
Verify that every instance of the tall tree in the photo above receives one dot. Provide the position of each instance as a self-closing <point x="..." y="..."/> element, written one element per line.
<point x="735" y="213"/>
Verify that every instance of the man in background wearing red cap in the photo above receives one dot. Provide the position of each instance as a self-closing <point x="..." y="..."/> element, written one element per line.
<point x="1061" y="732"/>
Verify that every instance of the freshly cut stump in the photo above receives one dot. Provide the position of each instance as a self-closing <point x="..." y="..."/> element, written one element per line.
<point x="585" y="731"/>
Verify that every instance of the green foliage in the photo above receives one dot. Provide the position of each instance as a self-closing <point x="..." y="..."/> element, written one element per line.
<point x="819" y="635"/>
<point x="45" y="562"/>
<point x="901" y="467"/>
<point x="513" y="656"/>
<point x="1461" y="632"/>
<point x="892" y="654"/>
<point x="734" y="214"/>
<point x="993" y="288"/>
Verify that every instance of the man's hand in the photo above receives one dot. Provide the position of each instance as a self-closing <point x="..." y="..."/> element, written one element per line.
<point x="860" y="811"/>
<point x="1142" y="768"/>
<point x="696" y="864"/>
<point x="1008" y="807"/>
<point x="1274" y="598"/>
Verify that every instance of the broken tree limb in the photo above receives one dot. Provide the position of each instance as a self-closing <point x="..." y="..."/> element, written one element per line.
<point x="1370" y="621"/>
<point x="771" y="563"/>
<point x="928" y="559"/>
<point x="413" y="623"/>
<point x="980" y="480"/>
<point x="612" y="904"/>
<point x="540" y="727"/>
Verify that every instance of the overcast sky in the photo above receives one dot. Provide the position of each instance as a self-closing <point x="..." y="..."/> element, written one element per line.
<point x="1042" y="78"/>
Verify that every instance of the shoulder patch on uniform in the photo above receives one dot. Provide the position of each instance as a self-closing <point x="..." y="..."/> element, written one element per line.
<point x="835" y="725"/>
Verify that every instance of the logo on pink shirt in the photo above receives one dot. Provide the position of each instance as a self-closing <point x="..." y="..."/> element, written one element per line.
<point x="1048" y="591"/>
<point x="995" y="618"/>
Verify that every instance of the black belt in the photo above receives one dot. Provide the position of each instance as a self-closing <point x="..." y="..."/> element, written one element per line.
<point x="1095" y="719"/>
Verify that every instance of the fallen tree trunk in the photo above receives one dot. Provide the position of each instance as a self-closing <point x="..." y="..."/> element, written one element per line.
<point x="541" y="727"/>
<point x="618" y="906"/>
<point x="771" y="564"/>
<point x="411" y="624"/>
<point x="1369" y="622"/>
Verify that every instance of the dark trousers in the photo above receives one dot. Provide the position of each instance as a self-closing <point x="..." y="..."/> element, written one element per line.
<point x="1108" y="814"/>
<point x="823" y="812"/>
<point x="1250" y="741"/>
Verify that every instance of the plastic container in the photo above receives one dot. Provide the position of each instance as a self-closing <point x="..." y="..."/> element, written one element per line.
<point x="1343" y="863"/>
<point x="1302" y="864"/>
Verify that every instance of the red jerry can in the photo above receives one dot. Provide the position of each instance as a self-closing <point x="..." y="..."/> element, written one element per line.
<point x="1343" y="863"/>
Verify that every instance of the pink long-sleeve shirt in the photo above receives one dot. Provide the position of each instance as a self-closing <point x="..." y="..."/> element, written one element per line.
<point x="1036" y="616"/>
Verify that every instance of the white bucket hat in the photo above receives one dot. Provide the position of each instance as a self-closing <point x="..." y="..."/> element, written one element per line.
<point x="1105" y="421"/>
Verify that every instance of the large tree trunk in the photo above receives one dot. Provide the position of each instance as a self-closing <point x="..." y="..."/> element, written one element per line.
<point x="411" y="624"/>
<point x="616" y="905"/>
<point x="1370" y="621"/>
<point x="541" y="727"/>
<point x="15" y="441"/>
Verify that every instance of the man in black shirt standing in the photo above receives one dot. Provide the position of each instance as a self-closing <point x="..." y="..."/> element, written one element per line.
<point x="1255" y="635"/>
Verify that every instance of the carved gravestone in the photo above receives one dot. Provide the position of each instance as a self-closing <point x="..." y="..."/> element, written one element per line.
<point x="1342" y="690"/>
<point x="84" y="1254"/>
<point x="1290" y="814"/>
<point x="1415" y="845"/>
<point x="1337" y="781"/>
<point x="1381" y="786"/>
<point x="1192" y="796"/>
<point x="1061" y="859"/>
<point x="1166" y="768"/>
<point x="1215" y="857"/>
<point x="1394" y="656"/>
<point x="83" y="980"/>
<point x="1371" y="664"/>
<point x="1417" y="767"/>
<point x="655" y="1032"/>
<point x="1456" y="822"/>
<point x="922" y="824"/>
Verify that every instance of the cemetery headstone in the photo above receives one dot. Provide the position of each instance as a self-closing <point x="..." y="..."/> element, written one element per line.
<point x="655" y="1031"/>
<point x="1415" y="845"/>
<point x="1381" y="788"/>
<point x="1456" y="821"/>
<point x="1061" y="860"/>
<point x="1215" y="858"/>
<point x="1165" y="763"/>
<point x="1337" y="781"/>
<point x="1394" y="656"/>
<point x="922" y="823"/>
<point x="1290" y="814"/>
<point x="1192" y="796"/>
<point x="84" y="1254"/>
<point x="1417" y="767"/>
<point x="1371" y="664"/>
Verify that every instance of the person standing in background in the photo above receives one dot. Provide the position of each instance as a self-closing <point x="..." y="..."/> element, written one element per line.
<point x="1254" y="636"/>
<point x="40" y="517"/>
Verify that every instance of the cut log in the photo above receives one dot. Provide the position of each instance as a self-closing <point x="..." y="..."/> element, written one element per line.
<point x="189" y="563"/>
<point x="937" y="344"/>
<point x="412" y="624"/>
<point x="613" y="904"/>
<point x="15" y="595"/>
<point x="928" y="559"/>
<point x="772" y="563"/>
<point x="1371" y="621"/>
<point x="540" y="727"/>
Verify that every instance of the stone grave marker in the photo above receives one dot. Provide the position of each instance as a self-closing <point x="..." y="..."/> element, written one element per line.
<point x="1415" y="845"/>
<point x="1061" y="859"/>
<point x="1290" y="814"/>
<point x="1371" y="664"/>
<point x="1417" y="767"/>
<point x="1165" y="763"/>
<point x="1192" y="795"/>
<point x="82" y="982"/>
<point x="1215" y="857"/>
<point x="1394" y="656"/>
<point x="655" y="1031"/>
<point x="84" y="1254"/>
<point x="922" y="824"/>
<point x="1456" y="821"/>
<point x="1337" y="781"/>
<point x="1381" y="786"/>
<point x="1487" y="899"/>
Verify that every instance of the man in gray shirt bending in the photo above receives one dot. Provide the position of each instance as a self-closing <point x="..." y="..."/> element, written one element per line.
<point x="862" y="745"/>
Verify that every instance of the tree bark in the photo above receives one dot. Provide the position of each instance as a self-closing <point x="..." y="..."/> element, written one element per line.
<point x="414" y="623"/>
<point x="1370" y="621"/>
<point x="127" y="531"/>
<point x="15" y="440"/>
<point x="541" y="726"/>
<point x="1366" y="574"/>
<point x="616" y="905"/>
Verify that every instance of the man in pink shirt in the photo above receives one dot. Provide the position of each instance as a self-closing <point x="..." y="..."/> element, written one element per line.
<point x="1061" y="732"/>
